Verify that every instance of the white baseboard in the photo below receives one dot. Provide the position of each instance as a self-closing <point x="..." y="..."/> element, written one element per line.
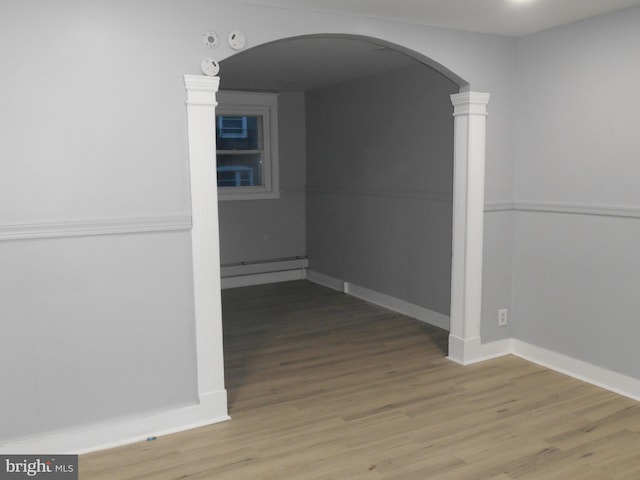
<point x="269" y="266"/>
<point x="475" y="352"/>
<point x="495" y="349"/>
<point x="325" y="280"/>
<point x="258" y="273"/>
<point x="262" y="278"/>
<point x="386" y="301"/>
<point x="587" y="372"/>
<point x="471" y="350"/>
<point x="463" y="350"/>
<point x="397" y="305"/>
<point x="211" y="409"/>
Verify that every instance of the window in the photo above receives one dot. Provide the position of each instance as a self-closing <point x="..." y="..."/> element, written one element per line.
<point x="247" y="145"/>
<point x="232" y="127"/>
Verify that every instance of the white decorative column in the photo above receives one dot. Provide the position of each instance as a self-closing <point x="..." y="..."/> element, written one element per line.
<point x="470" y="112"/>
<point x="205" y="240"/>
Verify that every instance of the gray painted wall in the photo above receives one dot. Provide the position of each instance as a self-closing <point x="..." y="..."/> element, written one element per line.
<point x="95" y="129"/>
<point x="497" y="273"/>
<point x="94" y="328"/>
<point x="380" y="183"/>
<point x="254" y="230"/>
<point x="576" y="279"/>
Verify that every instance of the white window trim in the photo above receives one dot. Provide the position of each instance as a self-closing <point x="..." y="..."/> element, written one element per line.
<point x="252" y="103"/>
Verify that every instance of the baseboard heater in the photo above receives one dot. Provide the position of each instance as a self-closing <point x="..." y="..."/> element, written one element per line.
<point x="242" y="274"/>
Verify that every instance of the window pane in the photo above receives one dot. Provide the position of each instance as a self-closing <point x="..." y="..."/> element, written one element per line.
<point x="235" y="132"/>
<point x="239" y="170"/>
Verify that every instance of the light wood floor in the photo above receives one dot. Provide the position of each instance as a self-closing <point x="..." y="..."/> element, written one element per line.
<point x="324" y="386"/>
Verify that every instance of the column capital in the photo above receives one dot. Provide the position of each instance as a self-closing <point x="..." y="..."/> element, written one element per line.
<point x="470" y="103"/>
<point x="201" y="90"/>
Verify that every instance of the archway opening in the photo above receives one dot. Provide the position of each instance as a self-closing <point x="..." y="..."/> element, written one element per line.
<point x="466" y="245"/>
<point x="374" y="167"/>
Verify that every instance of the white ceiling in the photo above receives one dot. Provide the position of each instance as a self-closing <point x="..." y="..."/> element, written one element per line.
<point x="502" y="17"/>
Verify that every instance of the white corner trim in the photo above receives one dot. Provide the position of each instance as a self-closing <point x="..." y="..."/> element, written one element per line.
<point x="400" y="306"/>
<point x="95" y="226"/>
<point x="126" y="430"/>
<point x="325" y="280"/>
<point x="263" y="278"/>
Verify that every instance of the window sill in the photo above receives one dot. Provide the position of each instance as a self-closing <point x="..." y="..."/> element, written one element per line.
<point x="224" y="196"/>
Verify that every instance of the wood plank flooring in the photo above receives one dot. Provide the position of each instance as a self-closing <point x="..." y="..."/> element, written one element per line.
<point x="323" y="386"/>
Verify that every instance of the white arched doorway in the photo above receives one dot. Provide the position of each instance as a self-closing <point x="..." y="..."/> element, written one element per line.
<point x="468" y="218"/>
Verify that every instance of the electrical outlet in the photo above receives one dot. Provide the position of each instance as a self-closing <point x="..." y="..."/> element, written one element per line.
<point x="502" y="317"/>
